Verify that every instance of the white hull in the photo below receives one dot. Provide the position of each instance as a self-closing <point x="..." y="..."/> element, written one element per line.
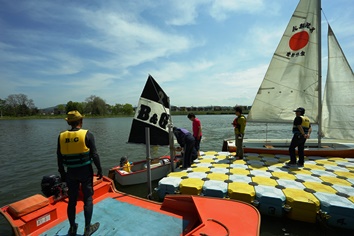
<point x="329" y="147"/>
<point x="159" y="168"/>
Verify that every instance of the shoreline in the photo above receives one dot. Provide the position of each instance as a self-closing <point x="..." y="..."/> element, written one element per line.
<point x="173" y="113"/>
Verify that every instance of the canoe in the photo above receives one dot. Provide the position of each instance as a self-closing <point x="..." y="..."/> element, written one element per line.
<point x="160" y="167"/>
<point x="123" y="214"/>
<point x="329" y="147"/>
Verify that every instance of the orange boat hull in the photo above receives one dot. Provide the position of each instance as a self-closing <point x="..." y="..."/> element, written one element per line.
<point x="204" y="214"/>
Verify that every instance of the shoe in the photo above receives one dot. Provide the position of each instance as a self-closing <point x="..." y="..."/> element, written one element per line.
<point x="72" y="230"/>
<point x="91" y="229"/>
<point x="300" y="165"/>
<point x="290" y="164"/>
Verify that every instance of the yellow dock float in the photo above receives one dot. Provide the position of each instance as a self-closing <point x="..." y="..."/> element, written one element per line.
<point x="322" y="189"/>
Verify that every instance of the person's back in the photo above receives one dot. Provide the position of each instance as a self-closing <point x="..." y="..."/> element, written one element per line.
<point x="187" y="141"/>
<point x="76" y="150"/>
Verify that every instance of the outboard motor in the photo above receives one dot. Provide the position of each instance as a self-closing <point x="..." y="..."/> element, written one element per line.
<point x="53" y="186"/>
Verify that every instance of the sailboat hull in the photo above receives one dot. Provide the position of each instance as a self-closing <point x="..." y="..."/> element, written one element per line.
<point x="160" y="168"/>
<point x="329" y="147"/>
<point x="118" y="214"/>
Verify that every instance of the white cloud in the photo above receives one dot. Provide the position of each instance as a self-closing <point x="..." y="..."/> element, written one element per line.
<point x="221" y="9"/>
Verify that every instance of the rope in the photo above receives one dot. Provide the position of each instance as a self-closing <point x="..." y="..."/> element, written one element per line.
<point x="218" y="222"/>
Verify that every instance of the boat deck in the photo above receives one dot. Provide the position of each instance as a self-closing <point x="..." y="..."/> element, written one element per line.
<point x="322" y="189"/>
<point x="123" y="214"/>
<point x="123" y="222"/>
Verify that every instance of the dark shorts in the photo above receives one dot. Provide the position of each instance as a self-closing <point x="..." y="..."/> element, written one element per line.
<point x="197" y="143"/>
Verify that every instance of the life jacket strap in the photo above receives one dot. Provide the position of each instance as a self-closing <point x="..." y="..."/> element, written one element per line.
<point x="77" y="160"/>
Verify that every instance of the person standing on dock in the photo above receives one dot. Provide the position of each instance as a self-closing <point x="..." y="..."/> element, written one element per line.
<point x="197" y="131"/>
<point x="76" y="150"/>
<point x="301" y="130"/>
<point x="186" y="140"/>
<point x="239" y="124"/>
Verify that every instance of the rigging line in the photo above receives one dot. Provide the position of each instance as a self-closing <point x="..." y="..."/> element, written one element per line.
<point x="324" y="15"/>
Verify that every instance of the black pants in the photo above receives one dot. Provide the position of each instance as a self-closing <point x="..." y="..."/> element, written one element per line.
<point x="298" y="141"/>
<point x="189" y="146"/>
<point x="81" y="175"/>
<point x="239" y="146"/>
<point x="197" y="143"/>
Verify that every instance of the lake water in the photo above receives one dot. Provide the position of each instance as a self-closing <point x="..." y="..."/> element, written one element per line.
<point x="28" y="152"/>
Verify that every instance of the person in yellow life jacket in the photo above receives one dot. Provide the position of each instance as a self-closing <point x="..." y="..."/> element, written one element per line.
<point x="301" y="131"/>
<point x="239" y="124"/>
<point x="124" y="164"/>
<point x="76" y="150"/>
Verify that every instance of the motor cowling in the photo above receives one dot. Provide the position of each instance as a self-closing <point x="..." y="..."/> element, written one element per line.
<point x="52" y="185"/>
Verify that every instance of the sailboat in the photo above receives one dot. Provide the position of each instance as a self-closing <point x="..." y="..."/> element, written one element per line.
<point x="153" y="112"/>
<point x="293" y="79"/>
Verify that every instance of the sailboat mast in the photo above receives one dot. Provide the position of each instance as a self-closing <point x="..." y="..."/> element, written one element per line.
<point x="319" y="46"/>
<point x="171" y="141"/>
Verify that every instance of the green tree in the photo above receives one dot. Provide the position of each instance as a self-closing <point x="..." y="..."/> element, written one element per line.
<point x="96" y="105"/>
<point x="59" y="109"/>
<point x="71" y="106"/>
<point x="117" y="109"/>
<point x="128" y="109"/>
<point x="2" y="107"/>
<point x="19" y="105"/>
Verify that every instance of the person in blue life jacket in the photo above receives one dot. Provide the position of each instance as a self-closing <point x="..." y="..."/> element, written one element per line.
<point x="76" y="151"/>
<point x="186" y="140"/>
<point x="301" y="131"/>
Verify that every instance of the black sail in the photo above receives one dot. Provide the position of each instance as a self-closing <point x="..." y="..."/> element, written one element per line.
<point x="153" y="112"/>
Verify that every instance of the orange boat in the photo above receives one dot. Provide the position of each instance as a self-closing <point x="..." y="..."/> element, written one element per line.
<point x="328" y="148"/>
<point x="124" y="214"/>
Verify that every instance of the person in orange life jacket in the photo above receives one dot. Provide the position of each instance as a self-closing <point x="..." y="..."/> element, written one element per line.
<point x="197" y="131"/>
<point x="124" y="164"/>
<point x="301" y="130"/>
<point x="239" y="124"/>
<point x="186" y="140"/>
<point x="76" y="150"/>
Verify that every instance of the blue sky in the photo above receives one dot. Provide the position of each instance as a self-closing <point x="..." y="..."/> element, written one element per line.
<point x="201" y="52"/>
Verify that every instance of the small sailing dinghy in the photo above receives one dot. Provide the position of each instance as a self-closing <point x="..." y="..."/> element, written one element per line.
<point x="160" y="167"/>
<point x="153" y="111"/>
<point x="123" y="214"/>
<point x="293" y="79"/>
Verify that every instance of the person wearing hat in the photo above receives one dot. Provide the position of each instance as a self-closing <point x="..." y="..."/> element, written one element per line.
<point x="301" y="130"/>
<point x="76" y="151"/>
<point x="239" y="124"/>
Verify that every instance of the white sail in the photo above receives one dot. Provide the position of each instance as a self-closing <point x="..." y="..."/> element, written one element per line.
<point x="291" y="80"/>
<point x="338" y="101"/>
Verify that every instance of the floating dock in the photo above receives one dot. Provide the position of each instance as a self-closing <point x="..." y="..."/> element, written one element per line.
<point x="321" y="190"/>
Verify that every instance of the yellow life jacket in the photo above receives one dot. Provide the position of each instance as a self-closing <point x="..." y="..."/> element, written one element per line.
<point x="73" y="148"/>
<point x="239" y="124"/>
<point x="126" y="167"/>
<point x="305" y="125"/>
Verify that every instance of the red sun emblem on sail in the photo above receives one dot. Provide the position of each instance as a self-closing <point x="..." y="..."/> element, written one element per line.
<point x="299" y="40"/>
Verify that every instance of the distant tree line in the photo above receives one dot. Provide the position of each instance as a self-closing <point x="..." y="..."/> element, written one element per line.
<point x="19" y="105"/>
